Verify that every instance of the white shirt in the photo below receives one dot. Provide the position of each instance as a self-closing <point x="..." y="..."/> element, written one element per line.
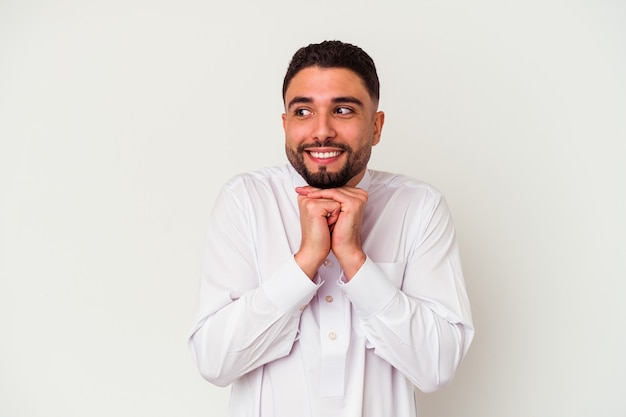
<point x="292" y="347"/>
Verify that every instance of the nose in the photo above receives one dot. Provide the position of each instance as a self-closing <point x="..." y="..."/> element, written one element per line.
<point x="323" y="130"/>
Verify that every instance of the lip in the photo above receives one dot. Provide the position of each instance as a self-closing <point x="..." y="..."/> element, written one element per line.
<point x="324" y="155"/>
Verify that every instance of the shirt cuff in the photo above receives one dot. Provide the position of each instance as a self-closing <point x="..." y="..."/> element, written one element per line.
<point x="369" y="290"/>
<point x="289" y="288"/>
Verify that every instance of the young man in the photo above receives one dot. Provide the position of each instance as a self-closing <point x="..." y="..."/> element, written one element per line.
<point x="329" y="289"/>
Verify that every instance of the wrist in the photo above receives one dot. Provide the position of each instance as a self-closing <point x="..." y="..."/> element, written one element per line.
<point x="308" y="264"/>
<point x="350" y="264"/>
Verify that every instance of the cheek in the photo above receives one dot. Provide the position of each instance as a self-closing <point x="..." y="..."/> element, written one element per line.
<point x="358" y="135"/>
<point x="294" y="133"/>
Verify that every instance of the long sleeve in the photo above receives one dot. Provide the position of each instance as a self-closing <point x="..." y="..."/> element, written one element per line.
<point x="291" y="346"/>
<point x="243" y="320"/>
<point x="415" y="313"/>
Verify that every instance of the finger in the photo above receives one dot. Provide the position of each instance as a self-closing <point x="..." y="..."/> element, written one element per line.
<point x="324" y="207"/>
<point x="342" y="195"/>
<point x="333" y="215"/>
<point x="305" y="190"/>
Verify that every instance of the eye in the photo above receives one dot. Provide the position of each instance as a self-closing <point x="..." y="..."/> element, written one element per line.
<point x="344" y="111"/>
<point x="302" y="112"/>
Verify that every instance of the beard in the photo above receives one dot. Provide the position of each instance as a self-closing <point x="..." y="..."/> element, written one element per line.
<point x="356" y="161"/>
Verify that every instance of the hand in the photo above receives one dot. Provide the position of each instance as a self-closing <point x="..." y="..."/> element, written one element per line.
<point x="317" y="219"/>
<point x="346" y="207"/>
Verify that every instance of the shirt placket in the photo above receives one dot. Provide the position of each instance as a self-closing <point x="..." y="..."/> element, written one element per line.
<point x="334" y="319"/>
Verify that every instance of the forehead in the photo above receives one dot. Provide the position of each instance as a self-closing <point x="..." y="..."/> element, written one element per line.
<point x="317" y="81"/>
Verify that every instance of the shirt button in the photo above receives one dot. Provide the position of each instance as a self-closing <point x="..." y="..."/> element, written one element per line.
<point x="329" y="298"/>
<point x="302" y="307"/>
<point x="327" y="263"/>
<point x="332" y="335"/>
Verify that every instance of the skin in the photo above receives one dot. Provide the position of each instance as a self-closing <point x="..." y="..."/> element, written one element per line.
<point x="328" y="112"/>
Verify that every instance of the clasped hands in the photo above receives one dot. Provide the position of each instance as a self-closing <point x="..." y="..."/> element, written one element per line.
<point x="331" y="220"/>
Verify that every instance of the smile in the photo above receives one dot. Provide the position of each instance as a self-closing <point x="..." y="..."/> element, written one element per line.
<point x="325" y="155"/>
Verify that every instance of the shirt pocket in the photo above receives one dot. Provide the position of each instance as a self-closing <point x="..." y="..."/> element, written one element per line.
<point x="394" y="271"/>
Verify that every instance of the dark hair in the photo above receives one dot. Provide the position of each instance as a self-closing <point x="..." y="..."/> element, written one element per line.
<point x="335" y="54"/>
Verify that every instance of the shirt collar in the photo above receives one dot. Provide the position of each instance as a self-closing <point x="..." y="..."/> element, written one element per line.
<point x="298" y="181"/>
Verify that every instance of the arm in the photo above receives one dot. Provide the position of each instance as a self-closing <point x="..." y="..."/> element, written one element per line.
<point x="241" y="324"/>
<point x="423" y="328"/>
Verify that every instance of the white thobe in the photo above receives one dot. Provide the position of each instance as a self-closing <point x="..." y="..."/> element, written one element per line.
<point x="295" y="347"/>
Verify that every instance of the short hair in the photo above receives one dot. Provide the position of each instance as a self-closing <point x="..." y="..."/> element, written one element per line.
<point x="335" y="54"/>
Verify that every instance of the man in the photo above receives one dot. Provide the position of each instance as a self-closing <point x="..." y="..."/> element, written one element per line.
<point x="329" y="289"/>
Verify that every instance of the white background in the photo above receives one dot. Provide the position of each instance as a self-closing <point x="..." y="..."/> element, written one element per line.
<point x="121" y="119"/>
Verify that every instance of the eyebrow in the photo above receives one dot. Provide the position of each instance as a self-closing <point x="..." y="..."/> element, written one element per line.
<point x="335" y="100"/>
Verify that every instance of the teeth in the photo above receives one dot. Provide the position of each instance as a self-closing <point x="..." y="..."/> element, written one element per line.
<point x="325" y="155"/>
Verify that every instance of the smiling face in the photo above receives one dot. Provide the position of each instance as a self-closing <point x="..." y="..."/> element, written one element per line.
<point x="331" y="124"/>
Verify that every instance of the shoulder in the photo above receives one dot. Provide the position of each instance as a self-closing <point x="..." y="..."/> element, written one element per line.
<point x="254" y="191"/>
<point x="390" y="183"/>
<point x="406" y="197"/>
<point x="260" y="178"/>
<point x="259" y="186"/>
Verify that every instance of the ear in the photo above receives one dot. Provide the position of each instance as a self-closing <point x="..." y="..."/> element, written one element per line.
<point x="378" y="122"/>
<point x="284" y="117"/>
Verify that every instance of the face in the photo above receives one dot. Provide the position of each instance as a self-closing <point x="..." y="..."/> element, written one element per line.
<point x="331" y="124"/>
